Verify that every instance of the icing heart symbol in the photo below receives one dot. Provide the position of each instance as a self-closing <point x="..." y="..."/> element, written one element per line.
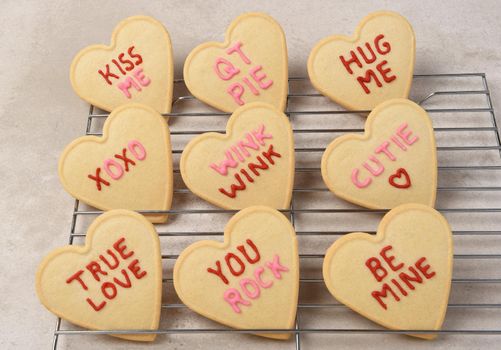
<point x="373" y="66"/>
<point x="398" y="141"/>
<point x="250" y="66"/>
<point x="136" y="67"/>
<point x="114" y="282"/>
<point x="399" y="278"/>
<point x="252" y="164"/>
<point x="129" y="167"/>
<point x="400" y="172"/>
<point x="251" y="280"/>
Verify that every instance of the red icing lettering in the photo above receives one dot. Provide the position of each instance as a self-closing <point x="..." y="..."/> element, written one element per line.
<point x="389" y="259"/>
<point x="384" y="72"/>
<point x="407" y="279"/>
<point x="369" y="75"/>
<point x="218" y="272"/>
<point x="109" y="290"/>
<point x="113" y="169"/>
<point x="126" y="160"/>
<point x="105" y="260"/>
<point x="424" y="268"/>
<point x="120" y="247"/>
<point x="242" y="250"/>
<point x="402" y="282"/>
<point x="94" y="306"/>
<point x="136" y="269"/>
<point x="123" y="65"/>
<point x="109" y="283"/>
<point x="353" y="59"/>
<point x="107" y="75"/>
<point x="128" y="63"/>
<point x="95" y="269"/>
<point x="374" y="265"/>
<point x="370" y="56"/>
<point x="124" y="284"/>
<point x="232" y="257"/>
<point x="378" y="295"/>
<point x="137" y="56"/>
<point x="234" y="187"/>
<point x="99" y="180"/>
<point x="76" y="277"/>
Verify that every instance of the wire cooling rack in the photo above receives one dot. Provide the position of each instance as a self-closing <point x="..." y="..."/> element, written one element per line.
<point x="469" y="193"/>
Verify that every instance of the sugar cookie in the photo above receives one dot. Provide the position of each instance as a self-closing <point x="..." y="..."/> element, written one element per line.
<point x="136" y="67"/>
<point x="399" y="278"/>
<point x="252" y="164"/>
<point x="394" y="162"/>
<point x="250" y="66"/>
<point x="373" y="66"/>
<point x="130" y="167"/>
<point x="251" y="280"/>
<point x="114" y="282"/>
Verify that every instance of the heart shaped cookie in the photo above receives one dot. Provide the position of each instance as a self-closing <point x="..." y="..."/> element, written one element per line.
<point x="114" y="282"/>
<point x="250" y="66"/>
<point x="130" y="167"/>
<point x="399" y="278"/>
<point x="252" y="164"/>
<point x="373" y="66"/>
<point x="251" y="280"/>
<point x="394" y="162"/>
<point x="136" y="67"/>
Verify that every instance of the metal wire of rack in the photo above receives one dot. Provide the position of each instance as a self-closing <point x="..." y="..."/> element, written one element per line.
<point x="461" y="109"/>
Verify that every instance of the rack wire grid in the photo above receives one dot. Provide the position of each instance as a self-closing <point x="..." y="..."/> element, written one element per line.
<point x="469" y="188"/>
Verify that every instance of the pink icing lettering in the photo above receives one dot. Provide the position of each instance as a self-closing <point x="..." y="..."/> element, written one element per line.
<point x="275" y="267"/>
<point x="257" y="275"/>
<point x="244" y="283"/>
<point x="260" y="77"/>
<point x="137" y="149"/>
<point x="236" y="90"/>
<point x="259" y="135"/>
<point x="251" y="86"/>
<point x="249" y="144"/>
<point x="376" y="172"/>
<point x="406" y="135"/>
<point x="111" y="163"/>
<point x="229" y="162"/>
<point x="140" y="77"/>
<point x="237" y="47"/>
<point x="384" y="149"/>
<point x="233" y="297"/>
<point x="126" y="85"/>
<point x="228" y="70"/>
<point x="397" y="142"/>
<point x="357" y="182"/>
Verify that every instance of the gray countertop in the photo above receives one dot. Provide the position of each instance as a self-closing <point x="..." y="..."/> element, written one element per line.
<point x="40" y="114"/>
